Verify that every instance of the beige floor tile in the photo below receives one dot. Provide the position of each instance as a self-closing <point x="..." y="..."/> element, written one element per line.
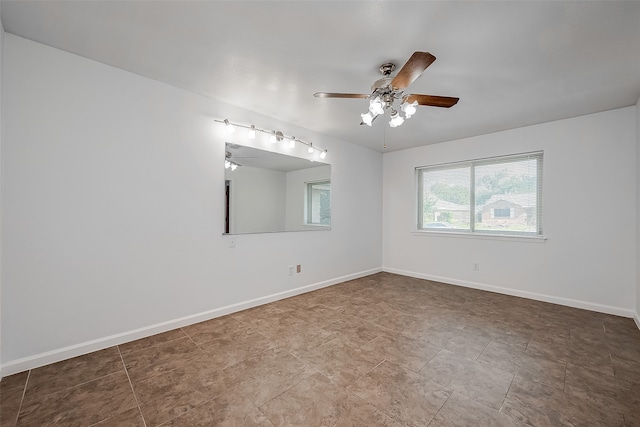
<point x="71" y="372"/>
<point x="152" y="341"/>
<point x="405" y="324"/>
<point x="128" y="418"/>
<point x="84" y="404"/>
<point x="341" y="361"/>
<point x="171" y="394"/>
<point x="535" y="368"/>
<point x="409" y="353"/>
<point x="592" y="355"/>
<point x="279" y="324"/>
<point x="161" y="358"/>
<point x="607" y="392"/>
<point x="474" y="379"/>
<point x="355" y="330"/>
<point x="380" y="419"/>
<point x="229" y="410"/>
<point x="468" y="344"/>
<point x="268" y="374"/>
<point x="631" y="420"/>
<point x="363" y="308"/>
<point x="319" y="315"/>
<point x="542" y="406"/>
<point x="329" y="297"/>
<point x="549" y="346"/>
<point x="382" y="350"/>
<point x="317" y="402"/>
<point x="499" y="331"/>
<point x="11" y="392"/>
<point x="460" y="411"/>
<point x="235" y="347"/>
<point x="299" y="341"/>
<point x="204" y="332"/>
<point x="401" y="394"/>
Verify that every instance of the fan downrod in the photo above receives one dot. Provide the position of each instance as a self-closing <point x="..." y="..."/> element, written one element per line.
<point x="387" y="68"/>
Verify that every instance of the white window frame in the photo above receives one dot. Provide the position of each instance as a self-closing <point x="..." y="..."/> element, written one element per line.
<point x="308" y="214"/>
<point x="472" y="164"/>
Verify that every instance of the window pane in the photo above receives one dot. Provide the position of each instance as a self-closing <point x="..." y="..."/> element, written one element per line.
<point x="506" y="197"/>
<point x="446" y="199"/>
<point x="319" y="203"/>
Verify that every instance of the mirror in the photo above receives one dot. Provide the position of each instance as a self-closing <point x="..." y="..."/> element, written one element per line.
<point x="267" y="192"/>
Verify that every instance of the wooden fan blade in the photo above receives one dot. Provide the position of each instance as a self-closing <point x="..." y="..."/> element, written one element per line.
<point x="410" y="71"/>
<point x="433" y="101"/>
<point x="339" y="95"/>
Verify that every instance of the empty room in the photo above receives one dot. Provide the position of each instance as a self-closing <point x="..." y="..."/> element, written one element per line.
<point x="371" y="213"/>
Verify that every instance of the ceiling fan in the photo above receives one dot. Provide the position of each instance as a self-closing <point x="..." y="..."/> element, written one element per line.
<point x="388" y="89"/>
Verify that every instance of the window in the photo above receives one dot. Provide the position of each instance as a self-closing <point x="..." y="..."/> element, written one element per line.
<point x="318" y="203"/>
<point x="501" y="212"/>
<point x="501" y="195"/>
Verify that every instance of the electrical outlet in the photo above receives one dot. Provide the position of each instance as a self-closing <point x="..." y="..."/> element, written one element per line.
<point x="299" y="268"/>
<point x="291" y="270"/>
<point x="475" y="266"/>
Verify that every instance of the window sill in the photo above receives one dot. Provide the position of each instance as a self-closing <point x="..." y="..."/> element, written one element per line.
<point x="317" y="226"/>
<point x="482" y="236"/>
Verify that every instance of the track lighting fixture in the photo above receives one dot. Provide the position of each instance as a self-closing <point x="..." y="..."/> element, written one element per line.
<point x="229" y="126"/>
<point x="228" y="164"/>
<point x="277" y="136"/>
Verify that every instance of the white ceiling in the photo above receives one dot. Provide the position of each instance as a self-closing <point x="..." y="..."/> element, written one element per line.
<point x="511" y="64"/>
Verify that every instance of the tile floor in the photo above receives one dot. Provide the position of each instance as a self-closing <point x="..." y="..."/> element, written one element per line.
<point x="384" y="350"/>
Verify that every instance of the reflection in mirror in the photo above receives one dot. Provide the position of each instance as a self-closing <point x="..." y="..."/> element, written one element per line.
<point x="269" y="192"/>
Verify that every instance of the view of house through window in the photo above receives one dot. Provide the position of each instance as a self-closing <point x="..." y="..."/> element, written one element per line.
<point x="318" y="203"/>
<point x="500" y="195"/>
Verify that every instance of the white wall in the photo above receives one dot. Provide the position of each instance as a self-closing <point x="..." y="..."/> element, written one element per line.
<point x="637" y="315"/>
<point x="589" y="216"/>
<point x="1" y="132"/>
<point x="258" y="199"/>
<point x="112" y="210"/>
<point x="296" y="190"/>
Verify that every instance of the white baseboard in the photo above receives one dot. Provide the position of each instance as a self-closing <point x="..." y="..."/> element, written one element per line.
<point x="636" y="317"/>
<point x="35" y="361"/>
<point x="601" y="308"/>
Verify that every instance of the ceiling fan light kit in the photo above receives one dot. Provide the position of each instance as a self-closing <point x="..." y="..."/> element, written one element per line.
<point x="388" y="89"/>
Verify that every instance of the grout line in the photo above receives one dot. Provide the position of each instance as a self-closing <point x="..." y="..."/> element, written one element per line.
<point x="164" y="423"/>
<point x="154" y="345"/>
<point x="485" y="347"/>
<point x="441" y="406"/>
<point x="507" y="393"/>
<point x="126" y="371"/>
<point x="280" y="394"/>
<point x="195" y="343"/>
<point x="24" y="392"/>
